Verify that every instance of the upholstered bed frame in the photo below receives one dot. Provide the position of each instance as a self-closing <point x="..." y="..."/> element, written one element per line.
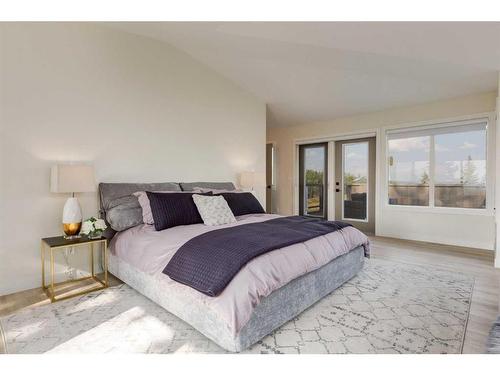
<point x="273" y="311"/>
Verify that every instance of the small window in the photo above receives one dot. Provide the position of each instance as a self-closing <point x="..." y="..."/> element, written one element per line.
<point x="444" y="166"/>
<point x="460" y="169"/>
<point x="409" y="171"/>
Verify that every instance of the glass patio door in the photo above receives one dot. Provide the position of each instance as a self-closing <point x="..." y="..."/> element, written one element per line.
<point x="313" y="167"/>
<point x="355" y="183"/>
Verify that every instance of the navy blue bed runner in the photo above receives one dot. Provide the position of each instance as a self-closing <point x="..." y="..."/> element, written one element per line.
<point x="209" y="261"/>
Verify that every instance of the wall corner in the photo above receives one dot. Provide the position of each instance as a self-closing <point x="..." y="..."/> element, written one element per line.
<point x="497" y="179"/>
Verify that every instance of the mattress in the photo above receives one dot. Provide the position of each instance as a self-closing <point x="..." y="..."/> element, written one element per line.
<point x="273" y="310"/>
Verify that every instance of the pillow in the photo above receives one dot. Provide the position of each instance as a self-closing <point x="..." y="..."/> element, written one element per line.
<point x="123" y="213"/>
<point x="120" y="208"/>
<point x="173" y="209"/>
<point x="217" y="191"/>
<point x="124" y="216"/>
<point x="243" y="203"/>
<point x="188" y="186"/>
<point x="213" y="210"/>
<point x="147" y="215"/>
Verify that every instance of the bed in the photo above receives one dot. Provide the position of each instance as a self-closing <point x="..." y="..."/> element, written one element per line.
<point x="266" y="293"/>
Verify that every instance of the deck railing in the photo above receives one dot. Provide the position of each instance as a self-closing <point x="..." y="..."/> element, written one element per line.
<point x="445" y="195"/>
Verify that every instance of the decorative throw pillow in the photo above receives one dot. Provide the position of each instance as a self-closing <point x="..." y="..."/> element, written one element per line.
<point x="243" y="203"/>
<point x="214" y="210"/>
<point x="147" y="215"/>
<point x="173" y="209"/>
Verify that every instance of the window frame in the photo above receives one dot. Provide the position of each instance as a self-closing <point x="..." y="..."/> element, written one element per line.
<point x="431" y="208"/>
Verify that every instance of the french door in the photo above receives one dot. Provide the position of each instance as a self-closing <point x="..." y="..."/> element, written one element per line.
<point x="355" y="183"/>
<point x="313" y="177"/>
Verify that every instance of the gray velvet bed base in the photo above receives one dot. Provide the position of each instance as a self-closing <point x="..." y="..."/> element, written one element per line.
<point x="273" y="311"/>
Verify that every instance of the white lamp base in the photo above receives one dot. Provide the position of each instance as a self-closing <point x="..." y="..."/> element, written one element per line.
<point x="72" y="218"/>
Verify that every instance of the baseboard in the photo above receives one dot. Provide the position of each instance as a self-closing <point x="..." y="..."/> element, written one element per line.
<point x="441" y="240"/>
<point x="454" y="248"/>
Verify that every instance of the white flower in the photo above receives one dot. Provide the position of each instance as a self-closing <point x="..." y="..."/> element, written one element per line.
<point x="100" y="224"/>
<point x="87" y="227"/>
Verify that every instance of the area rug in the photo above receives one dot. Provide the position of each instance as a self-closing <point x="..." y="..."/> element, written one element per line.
<point x="388" y="308"/>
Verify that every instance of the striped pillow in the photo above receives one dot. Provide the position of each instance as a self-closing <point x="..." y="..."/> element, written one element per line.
<point x="173" y="209"/>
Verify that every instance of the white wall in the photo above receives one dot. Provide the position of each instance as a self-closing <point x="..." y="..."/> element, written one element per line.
<point x="139" y="110"/>
<point x="474" y="230"/>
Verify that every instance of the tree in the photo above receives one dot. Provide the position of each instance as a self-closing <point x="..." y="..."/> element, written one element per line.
<point x="469" y="176"/>
<point x="314" y="177"/>
<point x="424" y="179"/>
<point x="350" y="179"/>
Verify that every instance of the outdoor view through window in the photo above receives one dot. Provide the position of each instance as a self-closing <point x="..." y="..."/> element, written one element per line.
<point x="409" y="171"/>
<point x="459" y="168"/>
<point x="314" y="164"/>
<point x="355" y="178"/>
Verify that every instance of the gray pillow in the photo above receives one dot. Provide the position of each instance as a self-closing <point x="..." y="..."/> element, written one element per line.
<point x="189" y="186"/>
<point x="218" y="191"/>
<point x="125" y="212"/>
<point x="120" y="208"/>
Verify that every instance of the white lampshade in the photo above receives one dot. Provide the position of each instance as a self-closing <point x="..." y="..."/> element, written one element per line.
<point x="247" y="179"/>
<point x="252" y="179"/>
<point x="72" y="178"/>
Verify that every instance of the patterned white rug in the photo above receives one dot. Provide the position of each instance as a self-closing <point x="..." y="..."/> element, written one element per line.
<point x="388" y="308"/>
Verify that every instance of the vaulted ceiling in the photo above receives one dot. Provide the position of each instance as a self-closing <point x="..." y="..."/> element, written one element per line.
<point x="316" y="71"/>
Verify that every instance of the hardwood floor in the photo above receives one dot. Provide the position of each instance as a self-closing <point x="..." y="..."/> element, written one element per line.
<point x="485" y="298"/>
<point x="485" y="303"/>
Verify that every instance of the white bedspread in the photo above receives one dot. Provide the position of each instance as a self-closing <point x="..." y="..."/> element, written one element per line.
<point x="150" y="251"/>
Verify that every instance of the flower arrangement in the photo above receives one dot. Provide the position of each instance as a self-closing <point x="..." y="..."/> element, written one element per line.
<point x="93" y="228"/>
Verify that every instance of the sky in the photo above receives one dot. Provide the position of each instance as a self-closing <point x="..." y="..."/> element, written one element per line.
<point x="411" y="157"/>
<point x="356" y="159"/>
<point x="355" y="163"/>
<point x="314" y="158"/>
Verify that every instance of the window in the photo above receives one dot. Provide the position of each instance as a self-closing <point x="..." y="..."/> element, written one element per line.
<point x="444" y="166"/>
<point x="460" y="169"/>
<point x="313" y="169"/>
<point x="409" y="171"/>
<point x="355" y="181"/>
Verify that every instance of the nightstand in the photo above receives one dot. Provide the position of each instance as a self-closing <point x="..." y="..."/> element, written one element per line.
<point x="52" y="244"/>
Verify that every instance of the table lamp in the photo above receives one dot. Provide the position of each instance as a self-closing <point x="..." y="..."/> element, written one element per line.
<point x="251" y="180"/>
<point x="72" y="178"/>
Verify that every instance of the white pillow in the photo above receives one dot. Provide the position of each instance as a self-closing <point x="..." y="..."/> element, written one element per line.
<point x="213" y="210"/>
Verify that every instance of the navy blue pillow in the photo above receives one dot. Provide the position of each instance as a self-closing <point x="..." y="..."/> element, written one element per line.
<point x="242" y="203"/>
<point x="173" y="209"/>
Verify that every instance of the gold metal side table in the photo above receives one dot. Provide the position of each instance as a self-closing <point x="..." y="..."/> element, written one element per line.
<point x="56" y="243"/>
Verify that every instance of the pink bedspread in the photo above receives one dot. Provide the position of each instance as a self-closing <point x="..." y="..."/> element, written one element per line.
<point x="150" y="251"/>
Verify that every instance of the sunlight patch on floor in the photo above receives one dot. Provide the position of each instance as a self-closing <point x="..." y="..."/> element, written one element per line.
<point x="88" y="304"/>
<point x="132" y="334"/>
